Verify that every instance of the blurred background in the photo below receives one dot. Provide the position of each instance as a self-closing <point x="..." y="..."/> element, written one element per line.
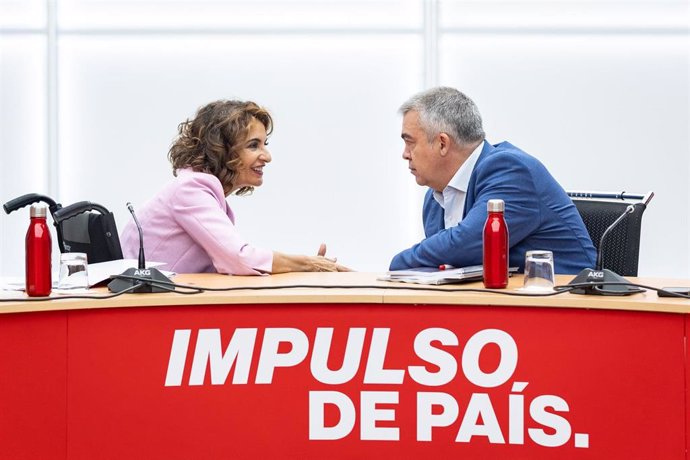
<point x="92" y="91"/>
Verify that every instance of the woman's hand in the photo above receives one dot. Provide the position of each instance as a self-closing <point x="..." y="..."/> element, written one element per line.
<point x="283" y="263"/>
<point x="321" y="263"/>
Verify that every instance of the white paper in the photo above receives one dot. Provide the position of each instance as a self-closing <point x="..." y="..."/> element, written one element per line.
<point x="12" y="283"/>
<point x="98" y="272"/>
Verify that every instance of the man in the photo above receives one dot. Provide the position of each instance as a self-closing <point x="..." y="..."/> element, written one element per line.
<point x="446" y="151"/>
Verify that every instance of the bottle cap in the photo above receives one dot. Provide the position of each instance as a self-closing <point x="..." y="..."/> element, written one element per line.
<point x="495" y="205"/>
<point x="38" y="210"/>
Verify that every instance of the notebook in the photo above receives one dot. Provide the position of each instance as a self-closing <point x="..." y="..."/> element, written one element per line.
<point x="432" y="275"/>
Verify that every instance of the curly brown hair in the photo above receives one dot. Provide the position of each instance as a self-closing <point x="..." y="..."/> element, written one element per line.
<point x="211" y="141"/>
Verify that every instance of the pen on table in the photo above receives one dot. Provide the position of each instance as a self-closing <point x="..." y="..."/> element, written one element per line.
<point x="445" y="267"/>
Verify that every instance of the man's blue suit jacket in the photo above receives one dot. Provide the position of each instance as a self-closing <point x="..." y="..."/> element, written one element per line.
<point x="539" y="215"/>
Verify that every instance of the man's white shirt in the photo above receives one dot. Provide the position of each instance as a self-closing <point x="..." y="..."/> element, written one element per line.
<point x="452" y="200"/>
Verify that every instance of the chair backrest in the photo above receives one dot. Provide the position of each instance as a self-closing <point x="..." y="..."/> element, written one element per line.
<point x="94" y="233"/>
<point x="621" y="250"/>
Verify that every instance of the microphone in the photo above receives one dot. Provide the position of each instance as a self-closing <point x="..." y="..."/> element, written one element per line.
<point x="600" y="276"/>
<point x="600" y="253"/>
<point x="142" y="259"/>
<point x="149" y="278"/>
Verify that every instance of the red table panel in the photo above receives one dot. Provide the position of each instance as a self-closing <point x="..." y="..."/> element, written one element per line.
<point x="496" y="382"/>
<point x="33" y="385"/>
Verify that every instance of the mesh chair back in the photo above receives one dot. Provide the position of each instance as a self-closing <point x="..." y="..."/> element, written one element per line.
<point x="94" y="233"/>
<point x="621" y="250"/>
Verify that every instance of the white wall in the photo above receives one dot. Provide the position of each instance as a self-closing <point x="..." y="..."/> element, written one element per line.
<point x="599" y="92"/>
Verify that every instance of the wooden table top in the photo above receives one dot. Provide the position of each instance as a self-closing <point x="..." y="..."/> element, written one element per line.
<point x="352" y="287"/>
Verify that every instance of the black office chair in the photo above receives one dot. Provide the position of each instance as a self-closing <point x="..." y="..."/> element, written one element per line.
<point x="89" y="227"/>
<point x="81" y="227"/>
<point x="621" y="250"/>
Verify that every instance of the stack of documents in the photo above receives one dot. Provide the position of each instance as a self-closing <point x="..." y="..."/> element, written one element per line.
<point x="429" y="275"/>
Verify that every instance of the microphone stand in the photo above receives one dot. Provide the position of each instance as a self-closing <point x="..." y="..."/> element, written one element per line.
<point x="601" y="276"/>
<point x="149" y="278"/>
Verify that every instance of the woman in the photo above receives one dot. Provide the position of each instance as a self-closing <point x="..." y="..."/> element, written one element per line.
<point x="189" y="225"/>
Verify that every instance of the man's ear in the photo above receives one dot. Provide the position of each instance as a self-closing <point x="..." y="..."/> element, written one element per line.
<point x="444" y="141"/>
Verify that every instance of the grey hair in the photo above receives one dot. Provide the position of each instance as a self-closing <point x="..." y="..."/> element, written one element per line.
<point x="446" y="110"/>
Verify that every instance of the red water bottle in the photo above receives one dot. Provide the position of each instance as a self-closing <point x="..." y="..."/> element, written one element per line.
<point x="495" y="246"/>
<point x="38" y="254"/>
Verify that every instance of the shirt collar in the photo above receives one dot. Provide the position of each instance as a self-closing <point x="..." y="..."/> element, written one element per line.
<point x="461" y="180"/>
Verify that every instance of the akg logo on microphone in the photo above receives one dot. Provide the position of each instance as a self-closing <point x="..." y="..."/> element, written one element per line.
<point x="595" y="275"/>
<point x="142" y="272"/>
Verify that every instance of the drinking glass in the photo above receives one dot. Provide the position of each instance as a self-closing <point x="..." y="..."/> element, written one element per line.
<point x="539" y="274"/>
<point x="74" y="271"/>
